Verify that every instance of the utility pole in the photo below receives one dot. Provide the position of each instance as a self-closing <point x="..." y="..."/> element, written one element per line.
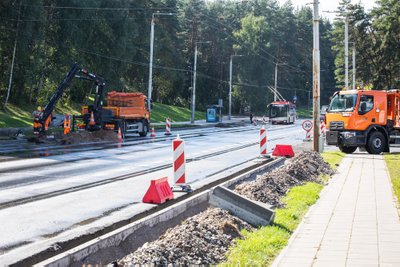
<point x="346" y="52"/>
<point x="194" y="83"/>
<point x="316" y="77"/>
<point x="230" y="84"/>
<point x="354" y="66"/>
<point x="194" y="80"/>
<point x="276" y="80"/>
<point x="150" y="87"/>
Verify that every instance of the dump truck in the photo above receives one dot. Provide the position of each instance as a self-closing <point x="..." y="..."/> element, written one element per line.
<point x="125" y="111"/>
<point x="282" y="112"/>
<point x="366" y="119"/>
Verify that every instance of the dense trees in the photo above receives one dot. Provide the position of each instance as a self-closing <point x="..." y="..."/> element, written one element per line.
<point x="376" y="36"/>
<point x="111" y="38"/>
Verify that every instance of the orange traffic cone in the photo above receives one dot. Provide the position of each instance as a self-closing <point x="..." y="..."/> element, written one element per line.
<point x="91" y="121"/>
<point x="119" y="135"/>
<point x="153" y="133"/>
<point x="67" y="124"/>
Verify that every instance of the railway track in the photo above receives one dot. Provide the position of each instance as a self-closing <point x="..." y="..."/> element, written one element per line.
<point x="132" y="175"/>
<point x="246" y="173"/>
<point x="14" y="151"/>
<point x="235" y="156"/>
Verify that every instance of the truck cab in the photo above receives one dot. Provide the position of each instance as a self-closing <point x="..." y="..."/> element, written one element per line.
<point x="360" y="118"/>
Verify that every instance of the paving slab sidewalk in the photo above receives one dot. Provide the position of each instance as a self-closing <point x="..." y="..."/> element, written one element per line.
<point x="354" y="223"/>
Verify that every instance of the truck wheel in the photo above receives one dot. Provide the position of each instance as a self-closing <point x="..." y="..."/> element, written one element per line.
<point x="348" y="149"/>
<point x="145" y="129"/>
<point x="376" y="143"/>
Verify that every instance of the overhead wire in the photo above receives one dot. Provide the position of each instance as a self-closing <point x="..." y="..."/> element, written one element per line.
<point x="146" y="18"/>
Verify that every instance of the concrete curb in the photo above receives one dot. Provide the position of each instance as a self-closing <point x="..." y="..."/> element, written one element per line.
<point x="99" y="249"/>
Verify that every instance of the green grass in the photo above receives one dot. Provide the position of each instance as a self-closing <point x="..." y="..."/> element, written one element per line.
<point x="393" y="162"/>
<point x="161" y="111"/>
<point x="304" y="112"/>
<point x="259" y="248"/>
<point x="13" y="116"/>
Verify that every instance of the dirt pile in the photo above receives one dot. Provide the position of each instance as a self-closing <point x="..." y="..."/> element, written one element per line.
<point x="271" y="187"/>
<point x="86" y="136"/>
<point x="201" y="240"/>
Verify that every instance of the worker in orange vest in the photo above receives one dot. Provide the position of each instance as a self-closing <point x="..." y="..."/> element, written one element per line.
<point x="67" y="124"/>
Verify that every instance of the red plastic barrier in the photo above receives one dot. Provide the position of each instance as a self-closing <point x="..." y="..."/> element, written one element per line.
<point x="283" y="151"/>
<point x="158" y="192"/>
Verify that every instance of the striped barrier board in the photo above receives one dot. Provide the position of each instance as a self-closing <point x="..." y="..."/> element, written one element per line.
<point x="178" y="146"/>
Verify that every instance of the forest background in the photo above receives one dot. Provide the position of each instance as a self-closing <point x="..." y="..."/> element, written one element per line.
<point x="40" y="39"/>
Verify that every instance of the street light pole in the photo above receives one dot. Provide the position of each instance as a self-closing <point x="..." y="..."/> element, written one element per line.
<point x="150" y="87"/>
<point x="230" y="88"/>
<point x="276" y="80"/>
<point x="194" y="80"/>
<point x="230" y="85"/>
<point x="194" y="83"/>
<point x="316" y="77"/>
<point x="149" y="91"/>
<point x="354" y="66"/>
<point x="346" y="51"/>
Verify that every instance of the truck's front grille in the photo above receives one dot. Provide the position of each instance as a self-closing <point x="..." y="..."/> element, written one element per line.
<point x="336" y="125"/>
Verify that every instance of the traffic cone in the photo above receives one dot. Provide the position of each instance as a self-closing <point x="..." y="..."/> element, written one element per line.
<point x="119" y="135"/>
<point x="91" y="121"/>
<point x="153" y="133"/>
<point x="67" y="124"/>
<point x="168" y="127"/>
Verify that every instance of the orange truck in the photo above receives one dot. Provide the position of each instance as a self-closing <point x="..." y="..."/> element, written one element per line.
<point x="366" y="119"/>
<point x="127" y="111"/>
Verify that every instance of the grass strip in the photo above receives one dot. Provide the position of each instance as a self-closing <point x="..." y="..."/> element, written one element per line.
<point x="393" y="162"/>
<point x="14" y="116"/>
<point x="259" y="248"/>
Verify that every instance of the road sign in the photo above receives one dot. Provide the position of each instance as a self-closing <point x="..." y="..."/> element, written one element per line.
<point x="307" y="125"/>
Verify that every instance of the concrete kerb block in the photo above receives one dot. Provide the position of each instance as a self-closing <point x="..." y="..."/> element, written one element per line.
<point x="253" y="212"/>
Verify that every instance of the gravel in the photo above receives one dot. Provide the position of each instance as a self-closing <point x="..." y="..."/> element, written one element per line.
<point x="205" y="238"/>
<point x="202" y="239"/>
<point x="271" y="187"/>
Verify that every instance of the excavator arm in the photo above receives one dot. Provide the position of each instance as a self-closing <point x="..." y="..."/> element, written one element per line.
<point x="42" y="119"/>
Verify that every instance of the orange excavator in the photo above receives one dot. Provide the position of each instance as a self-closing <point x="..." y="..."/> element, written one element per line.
<point x="125" y="111"/>
<point x="42" y="118"/>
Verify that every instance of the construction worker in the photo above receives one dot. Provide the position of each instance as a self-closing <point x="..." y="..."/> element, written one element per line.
<point x="67" y="124"/>
<point x="36" y="112"/>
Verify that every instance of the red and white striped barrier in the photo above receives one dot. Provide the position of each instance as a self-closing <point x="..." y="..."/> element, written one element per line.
<point x="323" y="128"/>
<point x="167" y="126"/>
<point x="307" y="126"/>
<point x="263" y="141"/>
<point x="308" y="136"/>
<point x="178" y="146"/>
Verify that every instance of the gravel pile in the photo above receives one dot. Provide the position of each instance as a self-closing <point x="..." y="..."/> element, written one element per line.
<point x="271" y="187"/>
<point x="202" y="239"/>
<point x="205" y="238"/>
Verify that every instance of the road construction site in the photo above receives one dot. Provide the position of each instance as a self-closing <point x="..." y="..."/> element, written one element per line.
<point x="87" y="194"/>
